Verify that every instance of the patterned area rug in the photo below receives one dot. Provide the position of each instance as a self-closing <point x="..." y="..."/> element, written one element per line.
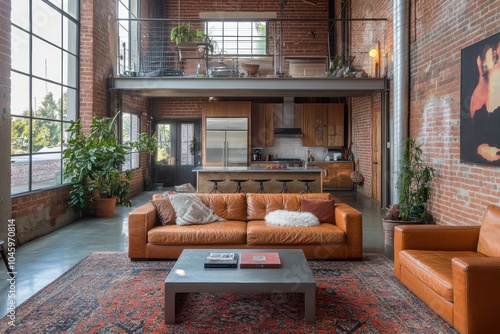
<point x="107" y="293"/>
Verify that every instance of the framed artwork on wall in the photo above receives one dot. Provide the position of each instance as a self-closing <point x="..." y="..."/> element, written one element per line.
<point x="480" y="102"/>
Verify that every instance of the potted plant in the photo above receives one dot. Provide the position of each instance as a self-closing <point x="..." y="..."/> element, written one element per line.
<point x="413" y="188"/>
<point x="94" y="163"/>
<point x="184" y="32"/>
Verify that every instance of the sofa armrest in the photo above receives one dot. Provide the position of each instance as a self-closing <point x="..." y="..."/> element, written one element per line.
<point x="349" y="220"/>
<point x="140" y="221"/>
<point x="436" y="237"/>
<point x="433" y="237"/>
<point x="476" y="294"/>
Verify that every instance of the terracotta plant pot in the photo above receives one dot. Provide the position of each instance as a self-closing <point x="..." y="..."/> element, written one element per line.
<point x="104" y="207"/>
<point x="389" y="225"/>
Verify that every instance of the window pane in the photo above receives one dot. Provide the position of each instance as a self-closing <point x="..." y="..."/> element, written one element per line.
<point x="69" y="70"/>
<point x="70" y="43"/>
<point x="70" y="104"/>
<point x="19" y="135"/>
<point x="46" y="136"/>
<point x="46" y="22"/>
<point x="48" y="62"/>
<point x="187" y="135"/>
<point x="20" y="14"/>
<point x="135" y="163"/>
<point x="163" y="134"/>
<point x="46" y="171"/>
<point x="46" y="100"/>
<point x="57" y="3"/>
<point x="19" y="167"/>
<point x="20" y="98"/>
<point x="71" y="7"/>
<point x="20" y="50"/>
<point x="125" y="127"/>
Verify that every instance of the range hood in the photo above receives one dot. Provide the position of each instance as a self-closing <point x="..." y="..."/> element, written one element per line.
<point x="288" y="129"/>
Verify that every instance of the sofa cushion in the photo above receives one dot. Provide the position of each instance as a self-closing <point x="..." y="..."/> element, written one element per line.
<point x="227" y="206"/>
<point x="190" y="210"/>
<point x="324" y="209"/>
<point x="433" y="268"/>
<point x="489" y="234"/>
<point x="259" y="205"/>
<point x="291" y="218"/>
<point x="261" y="233"/>
<point x="223" y="233"/>
<point x="164" y="210"/>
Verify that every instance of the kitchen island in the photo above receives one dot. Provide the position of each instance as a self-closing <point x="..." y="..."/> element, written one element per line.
<point x="203" y="174"/>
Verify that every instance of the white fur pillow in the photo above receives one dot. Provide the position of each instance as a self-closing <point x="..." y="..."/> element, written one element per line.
<point x="291" y="218"/>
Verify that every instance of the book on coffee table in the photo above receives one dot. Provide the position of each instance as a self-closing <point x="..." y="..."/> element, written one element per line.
<point x="260" y="260"/>
<point x="221" y="260"/>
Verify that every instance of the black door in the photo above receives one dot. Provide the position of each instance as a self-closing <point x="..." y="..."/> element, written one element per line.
<point x="174" y="158"/>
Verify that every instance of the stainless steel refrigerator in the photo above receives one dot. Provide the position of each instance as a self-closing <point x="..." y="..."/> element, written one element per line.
<point x="226" y="142"/>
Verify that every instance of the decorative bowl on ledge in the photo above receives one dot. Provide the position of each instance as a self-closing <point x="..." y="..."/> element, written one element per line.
<point x="251" y="69"/>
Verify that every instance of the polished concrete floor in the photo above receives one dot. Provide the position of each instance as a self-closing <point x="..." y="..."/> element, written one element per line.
<point x="41" y="261"/>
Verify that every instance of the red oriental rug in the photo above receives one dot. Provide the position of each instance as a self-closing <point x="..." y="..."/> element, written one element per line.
<point x="107" y="293"/>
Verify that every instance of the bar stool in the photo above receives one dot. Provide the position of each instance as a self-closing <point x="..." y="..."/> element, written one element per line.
<point x="5" y="260"/>
<point x="307" y="189"/>
<point x="215" y="189"/>
<point x="261" y="184"/>
<point x="238" y="186"/>
<point x="284" y="189"/>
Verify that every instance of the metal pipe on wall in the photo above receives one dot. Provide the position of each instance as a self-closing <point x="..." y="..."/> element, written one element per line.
<point x="401" y="87"/>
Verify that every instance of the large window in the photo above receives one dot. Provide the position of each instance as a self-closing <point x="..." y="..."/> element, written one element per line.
<point x="128" y="11"/>
<point x="44" y="98"/>
<point x="239" y="38"/>
<point x="130" y="133"/>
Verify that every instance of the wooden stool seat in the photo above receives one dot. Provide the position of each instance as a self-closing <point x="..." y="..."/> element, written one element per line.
<point x="238" y="186"/>
<point x="284" y="189"/>
<point x="307" y="189"/>
<point x="216" y="182"/>
<point x="261" y="184"/>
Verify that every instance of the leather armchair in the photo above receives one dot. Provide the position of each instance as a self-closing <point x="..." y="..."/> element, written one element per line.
<point x="455" y="270"/>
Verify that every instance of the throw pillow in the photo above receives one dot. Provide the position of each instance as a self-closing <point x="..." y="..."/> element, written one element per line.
<point x="164" y="210"/>
<point x="324" y="209"/>
<point x="190" y="210"/>
<point x="291" y="218"/>
<point x="185" y="188"/>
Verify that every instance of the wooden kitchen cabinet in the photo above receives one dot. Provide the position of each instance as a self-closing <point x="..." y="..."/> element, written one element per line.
<point x="262" y="120"/>
<point x="336" y="175"/>
<point x="335" y="125"/>
<point x="323" y="124"/>
<point x="314" y="124"/>
<point x="226" y="109"/>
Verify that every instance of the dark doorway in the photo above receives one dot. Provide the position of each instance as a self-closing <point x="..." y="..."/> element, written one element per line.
<point x="174" y="160"/>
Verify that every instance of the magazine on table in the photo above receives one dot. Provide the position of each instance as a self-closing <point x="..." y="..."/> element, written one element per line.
<point x="221" y="260"/>
<point x="260" y="260"/>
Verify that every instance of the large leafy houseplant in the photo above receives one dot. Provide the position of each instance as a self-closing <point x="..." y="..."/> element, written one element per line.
<point x="93" y="162"/>
<point x="413" y="187"/>
<point x="184" y="32"/>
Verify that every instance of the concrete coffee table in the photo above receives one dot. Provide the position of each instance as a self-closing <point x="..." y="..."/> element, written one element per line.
<point x="189" y="275"/>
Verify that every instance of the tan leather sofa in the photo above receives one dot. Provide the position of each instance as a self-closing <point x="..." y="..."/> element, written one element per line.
<point x="455" y="270"/>
<point x="246" y="228"/>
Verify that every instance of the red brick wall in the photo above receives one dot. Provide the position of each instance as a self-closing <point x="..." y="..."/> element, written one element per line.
<point x="169" y="108"/>
<point x="461" y="191"/>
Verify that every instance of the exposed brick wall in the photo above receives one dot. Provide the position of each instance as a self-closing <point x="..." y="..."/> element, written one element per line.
<point x="460" y="191"/>
<point x="170" y="108"/>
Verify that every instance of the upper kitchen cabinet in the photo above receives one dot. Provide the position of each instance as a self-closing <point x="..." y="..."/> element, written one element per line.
<point x="335" y="125"/>
<point x="226" y="109"/>
<point x="323" y="124"/>
<point x="263" y="115"/>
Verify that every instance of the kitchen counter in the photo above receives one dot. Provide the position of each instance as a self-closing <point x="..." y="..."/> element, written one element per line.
<point x="227" y="173"/>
